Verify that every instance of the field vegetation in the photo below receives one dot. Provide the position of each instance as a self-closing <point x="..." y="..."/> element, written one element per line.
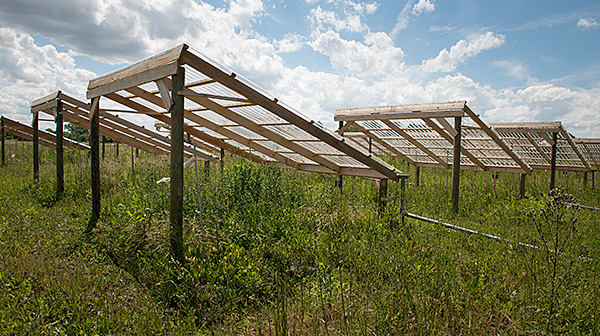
<point x="275" y="252"/>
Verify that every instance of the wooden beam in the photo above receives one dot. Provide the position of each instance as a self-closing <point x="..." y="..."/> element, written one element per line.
<point x="408" y="108"/>
<point x="573" y="146"/>
<point x="415" y="142"/>
<point x="539" y="149"/>
<point x="2" y="137"/>
<point x="403" y="115"/>
<point x="546" y="137"/>
<point x="447" y="126"/>
<point x="156" y="67"/>
<point x="279" y="110"/>
<point x="164" y="93"/>
<point x="176" y="203"/>
<point x="385" y="144"/>
<point x="217" y="97"/>
<point x="345" y="127"/>
<point x="496" y="138"/>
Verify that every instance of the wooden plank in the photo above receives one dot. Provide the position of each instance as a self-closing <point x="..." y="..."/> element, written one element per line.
<point x="164" y="93"/>
<point x="194" y="132"/>
<point x="415" y="142"/>
<point x="213" y="96"/>
<point x="150" y="69"/>
<point x="407" y="108"/>
<point x="568" y="138"/>
<point x="537" y="147"/>
<point x="264" y="132"/>
<point x="345" y="127"/>
<point x="51" y="98"/>
<point x="403" y="115"/>
<point x="526" y="126"/>
<point x="446" y="125"/>
<point x="36" y="156"/>
<point x="385" y="144"/>
<point x="546" y="138"/>
<point x="44" y="106"/>
<point x="2" y="138"/>
<point x="279" y="110"/>
<point x="496" y="138"/>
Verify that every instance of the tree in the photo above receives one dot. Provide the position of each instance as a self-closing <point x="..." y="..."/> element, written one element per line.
<point x="76" y="132"/>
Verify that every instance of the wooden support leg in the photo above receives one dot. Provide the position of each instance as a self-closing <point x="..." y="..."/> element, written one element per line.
<point x="95" y="161"/>
<point x="206" y="167"/>
<point x="177" y="137"/>
<point x="3" y="136"/>
<point x="522" y="186"/>
<point x="36" y="146"/>
<point x="585" y="179"/>
<point x="103" y="146"/>
<point x="60" y="172"/>
<point x="383" y="188"/>
<point x="456" y="164"/>
<point x="340" y="183"/>
<point x="222" y="159"/>
<point x="417" y="175"/>
<point x="117" y="144"/>
<point x="553" y="162"/>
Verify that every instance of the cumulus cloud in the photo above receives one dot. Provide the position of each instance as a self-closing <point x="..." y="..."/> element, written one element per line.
<point x="447" y="61"/>
<point x="377" y="56"/>
<point x="516" y="70"/>
<point x="324" y="19"/>
<point x="423" y="6"/>
<point x="30" y="72"/>
<point x="587" y="23"/>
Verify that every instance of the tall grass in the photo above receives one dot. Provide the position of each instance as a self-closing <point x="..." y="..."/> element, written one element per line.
<point x="279" y="252"/>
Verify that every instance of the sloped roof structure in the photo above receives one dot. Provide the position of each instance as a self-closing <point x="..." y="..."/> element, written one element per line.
<point x="112" y="126"/>
<point x="533" y="142"/>
<point x="422" y="135"/>
<point x="47" y="139"/>
<point x="590" y="149"/>
<point x="224" y="110"/>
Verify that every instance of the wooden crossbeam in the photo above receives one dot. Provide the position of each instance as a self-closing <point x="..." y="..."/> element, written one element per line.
<point x="385" y="144"/>
<point x="415" y="142"/>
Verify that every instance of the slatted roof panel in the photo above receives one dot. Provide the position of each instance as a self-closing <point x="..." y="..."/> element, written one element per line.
<point x="590" y="149"/>
<point x="112" y="126"/>
<point x="423" y="135"/>
<point x="47" y="139"/>
<point x="228" y="111"/>
<point x="533" y="142"/>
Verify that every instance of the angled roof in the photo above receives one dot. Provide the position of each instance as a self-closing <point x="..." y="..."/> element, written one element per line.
<point x="423" y="135"/>
<point x="590" y="149"/>
<point x="112" y="126"/>
<point x="227" y="111"/>
<point x="47" y="139"/>
<point x="533" y="142"/>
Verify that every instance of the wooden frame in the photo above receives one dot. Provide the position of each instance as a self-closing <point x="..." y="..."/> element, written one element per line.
<point x="47" y="139"/>
<point x="590" y="149"/>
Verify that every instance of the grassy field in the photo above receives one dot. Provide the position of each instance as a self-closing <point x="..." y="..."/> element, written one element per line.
<point x="277" y="252"/>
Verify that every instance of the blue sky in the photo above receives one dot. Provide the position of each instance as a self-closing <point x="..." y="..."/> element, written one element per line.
<point x="511" y="60"/>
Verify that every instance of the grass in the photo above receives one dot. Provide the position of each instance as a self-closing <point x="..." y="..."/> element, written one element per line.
<point x="277" y="252"/>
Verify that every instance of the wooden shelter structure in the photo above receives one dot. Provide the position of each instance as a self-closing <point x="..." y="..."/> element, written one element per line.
<point x="543" y="145"/>
<point x="590" y="148"/>
<point x="65" y="108"/>
<point x="422" y="135"/>
<point x="226" y="111"/>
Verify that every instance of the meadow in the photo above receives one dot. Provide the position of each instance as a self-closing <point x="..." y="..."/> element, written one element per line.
<point x="271" y="251"/>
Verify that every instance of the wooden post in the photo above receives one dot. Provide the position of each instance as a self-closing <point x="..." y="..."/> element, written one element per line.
<point x="103" y="145"/>
<point x="222" y="159"/>
<point x="36" y="154"/>
<point x="585" y="178"/>
<point x="456" y="164"/>
<point x="137" y="152"/>
<point x="95" y="159"/>
<point x="553" y="161"/>
<point x="60" y="172"/>
<point x="522" y="186"/>
<point x="370" y="145"/>
<point x="117" y="144"/>
<point x="176" y="206"/>
<point x="383" y="184"/>
<point x="3" y="135"/>
<point x="340" y="180"/>
<point x="207" y="167"/>
<point x="417" y="175"/>
<point x="132" y="164"/>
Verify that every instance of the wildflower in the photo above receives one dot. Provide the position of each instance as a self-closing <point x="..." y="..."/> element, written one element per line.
<point x="12" y="156"/>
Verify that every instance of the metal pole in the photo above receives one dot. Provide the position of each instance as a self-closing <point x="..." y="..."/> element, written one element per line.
<point x="177" y="137"/>
<point x="60" y="172"/>
<point x="132" y="164"/>
<point x="456" y="164"/>
<point x="340" y="180"/>
<point x="553" y="161"/>
<point x="36" y="154"/>
<point x="197" y="180"/>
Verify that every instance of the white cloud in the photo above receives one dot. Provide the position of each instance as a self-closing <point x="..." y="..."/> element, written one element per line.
<point x="447" y="61"/>
<point x="587" y="23"/>
<point x="30" y="72"/>
<point x="323" y="19"/>
<point x="376" y="57"/>
<point x="290" y="43"/>
<point x="516" y="70"/>
<point x="423" y="6"/>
